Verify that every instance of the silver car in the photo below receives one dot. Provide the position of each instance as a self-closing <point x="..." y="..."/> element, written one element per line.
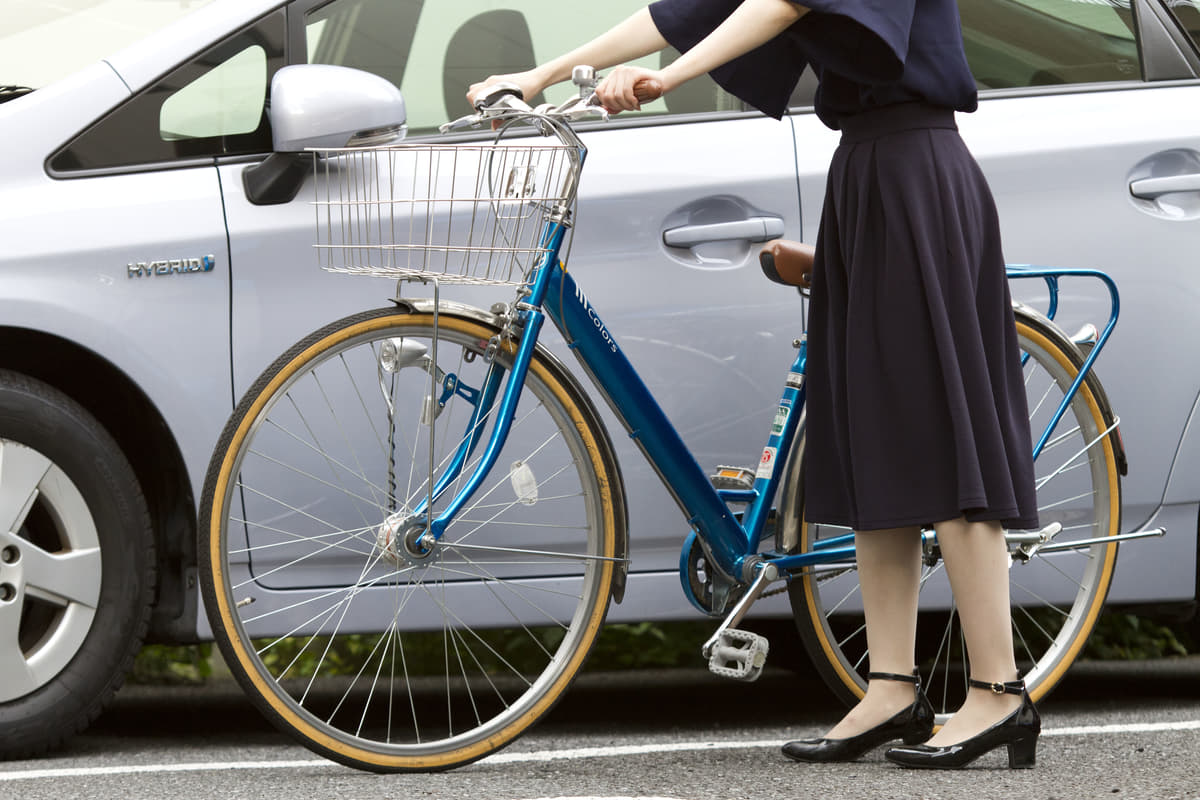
<point x="156" y="257"/>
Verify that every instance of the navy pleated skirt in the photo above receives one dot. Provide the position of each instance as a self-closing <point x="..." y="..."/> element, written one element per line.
<point x="916" y="403"/>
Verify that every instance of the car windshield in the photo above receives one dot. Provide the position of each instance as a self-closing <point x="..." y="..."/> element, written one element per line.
<point x="41" y="42"/>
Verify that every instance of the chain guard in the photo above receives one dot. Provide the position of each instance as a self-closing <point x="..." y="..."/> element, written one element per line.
<point x="706" y="586"/>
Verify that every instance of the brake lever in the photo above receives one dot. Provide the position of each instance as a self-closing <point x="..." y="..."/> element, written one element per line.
<point x="582" y="107"/>
<point x="462" y="123"/>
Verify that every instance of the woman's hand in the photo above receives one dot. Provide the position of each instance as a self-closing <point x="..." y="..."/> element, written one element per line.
<point x="529" y="81"/>
<point x="626" y="88"/>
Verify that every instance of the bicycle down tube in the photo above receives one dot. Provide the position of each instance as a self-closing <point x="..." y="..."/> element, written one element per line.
<point x="705" y="507"/>
<point x="597" y="350"/>
<point x="729" y="540"/>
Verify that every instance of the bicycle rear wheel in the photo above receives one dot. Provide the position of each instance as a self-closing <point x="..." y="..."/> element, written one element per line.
<point x="1056" y="596"/>
<point x="371" y="649"/>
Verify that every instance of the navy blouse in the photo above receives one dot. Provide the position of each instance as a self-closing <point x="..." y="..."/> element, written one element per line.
<point x="866" y="54"/>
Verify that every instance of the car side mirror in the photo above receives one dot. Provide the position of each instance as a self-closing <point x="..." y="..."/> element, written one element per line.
<point x="321" y="106"/>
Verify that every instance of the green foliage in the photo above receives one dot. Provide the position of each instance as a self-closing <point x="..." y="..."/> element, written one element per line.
<point x="495" y="651"/>
<point x="176" y="665"/>
<point x="648" y="645"/>
<point x="1119" y="636"/>
<point x="639" y="646"/>
<point x="644" y="645"/>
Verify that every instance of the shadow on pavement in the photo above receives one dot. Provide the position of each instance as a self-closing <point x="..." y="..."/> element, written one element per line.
<point x="654" y="700"/>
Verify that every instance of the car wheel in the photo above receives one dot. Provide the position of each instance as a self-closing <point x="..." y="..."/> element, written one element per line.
<point x="76" y="566"/>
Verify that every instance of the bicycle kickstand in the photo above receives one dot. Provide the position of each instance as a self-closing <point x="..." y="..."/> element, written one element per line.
<point x="736" y="654"/>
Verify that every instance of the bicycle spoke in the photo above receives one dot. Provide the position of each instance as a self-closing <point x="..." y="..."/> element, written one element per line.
<point x="401" y="651"/>
<point x="1055" y="594"/>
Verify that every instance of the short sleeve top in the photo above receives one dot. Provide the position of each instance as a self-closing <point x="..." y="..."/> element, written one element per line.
<point x="865" y="53"/>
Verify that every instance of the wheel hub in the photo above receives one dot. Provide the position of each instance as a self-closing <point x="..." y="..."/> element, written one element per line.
<point x="403" y="540"/>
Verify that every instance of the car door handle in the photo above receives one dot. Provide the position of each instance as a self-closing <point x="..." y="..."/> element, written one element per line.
<point x="1152" y="188"/>
<point x="754" y="229"/>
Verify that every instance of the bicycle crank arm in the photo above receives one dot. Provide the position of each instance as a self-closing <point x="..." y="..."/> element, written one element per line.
<point x="740" y="654"/>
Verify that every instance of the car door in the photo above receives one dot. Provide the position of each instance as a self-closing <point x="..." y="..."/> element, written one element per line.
<point x="1088" y="130"/>
<point x="1088" y="108"/>
<point x="711" y="337"/>
<point x="136" y="194"/>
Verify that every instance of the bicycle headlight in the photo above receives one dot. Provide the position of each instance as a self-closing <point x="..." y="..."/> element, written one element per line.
<point x="397" y="353"/>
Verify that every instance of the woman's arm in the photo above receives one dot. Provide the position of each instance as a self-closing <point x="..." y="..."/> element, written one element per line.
<point x="753" y="23"/>
<point x="637" y="36"/>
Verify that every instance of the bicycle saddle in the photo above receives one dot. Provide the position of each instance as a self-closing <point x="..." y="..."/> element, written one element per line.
<point x="789" y="263"/>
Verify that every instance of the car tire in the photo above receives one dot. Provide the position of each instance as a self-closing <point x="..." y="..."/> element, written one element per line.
<point x="77" y="566"/>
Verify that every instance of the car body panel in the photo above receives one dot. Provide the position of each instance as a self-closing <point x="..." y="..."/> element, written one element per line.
<point x="712" y="337"/>
<point x="69" y="247"/>
<point x="1065" y="150"/>
<point x="1080" y="156"/>
<point x="155" y="325"/>
<point x="1186" y="464"/>
<point x="143" y="62"/>
<point x="31" y="125"/>
<point x="669" y="312"/>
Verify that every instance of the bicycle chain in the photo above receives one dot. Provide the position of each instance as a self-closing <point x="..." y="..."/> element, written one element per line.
<point x="820" y="579"/>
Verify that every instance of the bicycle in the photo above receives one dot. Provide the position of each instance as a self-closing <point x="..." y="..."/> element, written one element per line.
<point x="463" y="498"/>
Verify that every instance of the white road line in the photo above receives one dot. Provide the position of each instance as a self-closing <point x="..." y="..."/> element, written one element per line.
<point x="140" y="769"/>
<point x="625" y="750"/>
<point x="542" y="755"/>
<point x="1132" y="727"/>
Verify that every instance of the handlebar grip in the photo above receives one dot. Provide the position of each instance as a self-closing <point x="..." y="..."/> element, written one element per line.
<point x="647" y="90"/>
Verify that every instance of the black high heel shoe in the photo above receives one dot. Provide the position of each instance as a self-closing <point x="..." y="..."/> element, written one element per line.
<point x="1018" y="731"/>
<point x="913" y="724"/>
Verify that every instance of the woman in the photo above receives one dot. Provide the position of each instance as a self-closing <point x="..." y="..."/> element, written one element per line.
<point x="911" y="321"/>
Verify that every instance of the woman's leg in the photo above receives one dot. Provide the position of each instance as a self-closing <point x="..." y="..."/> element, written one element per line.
<point x="889" y="573"/>
<point x="977" y="563"/>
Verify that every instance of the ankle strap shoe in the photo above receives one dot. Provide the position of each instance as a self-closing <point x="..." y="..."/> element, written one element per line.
<point x="913" y="724"/>
<point x="1018" y="732"/>
<point x="995" y="687"/>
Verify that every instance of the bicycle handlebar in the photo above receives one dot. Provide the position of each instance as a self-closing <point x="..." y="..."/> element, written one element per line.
<point x="504" y="101"/>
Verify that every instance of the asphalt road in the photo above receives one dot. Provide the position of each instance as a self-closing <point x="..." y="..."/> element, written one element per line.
<point x="1114" y="730"/>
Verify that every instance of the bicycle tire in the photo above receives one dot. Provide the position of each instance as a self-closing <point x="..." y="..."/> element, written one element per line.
<point x="504" y="611"/>
<point x="1057" y="597"/>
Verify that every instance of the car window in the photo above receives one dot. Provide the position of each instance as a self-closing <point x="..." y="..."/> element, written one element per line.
<point x="1187" y="14"/>
<point x="214" y="105"/>
<point x="434" y="50"/>
<point x="225" y="101"/>
<point x="1023" y="43"/>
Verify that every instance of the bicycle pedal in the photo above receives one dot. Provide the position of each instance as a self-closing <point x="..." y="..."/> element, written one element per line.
<point x="734" y="478"/>
<point x="740" y="655"/>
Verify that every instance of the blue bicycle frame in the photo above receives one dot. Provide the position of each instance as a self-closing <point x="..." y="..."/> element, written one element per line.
<point x="732" y="542"/>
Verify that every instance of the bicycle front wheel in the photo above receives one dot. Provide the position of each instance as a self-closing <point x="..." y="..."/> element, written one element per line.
<point x="1057" y="595"/>
<point x="369" y="643"/>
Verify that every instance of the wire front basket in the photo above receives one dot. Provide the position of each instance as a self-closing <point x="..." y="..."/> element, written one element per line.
<point x="470" y="214"/>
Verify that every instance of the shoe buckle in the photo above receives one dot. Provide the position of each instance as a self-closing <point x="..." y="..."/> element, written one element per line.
<point x="997" y="687"/>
